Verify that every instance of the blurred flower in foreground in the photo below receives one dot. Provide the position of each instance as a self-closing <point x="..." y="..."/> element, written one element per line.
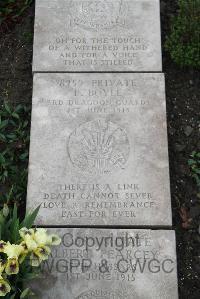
<point x="21" y="246"/>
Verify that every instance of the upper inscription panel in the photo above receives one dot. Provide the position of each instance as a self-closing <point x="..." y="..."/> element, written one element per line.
<point x="98" y="153"/>
<point x="97" y="35"/>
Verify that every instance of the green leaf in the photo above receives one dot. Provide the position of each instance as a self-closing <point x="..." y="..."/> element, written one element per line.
<point x="25" y="293"/>
<point x="23" y="156"/>
<point x="25" y="124"/>
<point x="15" y="212"/>
<point x="14" y="225"/>
<point x="18" y="108"/>
<point x="193" y="154"/>
<point x="12" y="136"/>
<point x="2" y="159"/>
<point x="15" y="115"/>
<point x="3" y="124"/>
<point x="15" y="232"/>
<point x="2" y="137"/>
<point x="7" y="108"/>
<point x="5" y="210"/>
<point x="13" y="296"/>
<point x="191" y="162"/>
<point x="30" y="218"/>
<point x="31" y="276"/>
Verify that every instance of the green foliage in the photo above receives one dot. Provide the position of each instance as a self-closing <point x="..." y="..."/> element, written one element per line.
<point x="184" y="41"/>
<point x="25" y="294"/>
<point x="10" y="225"/>
<point x="14" y="142"/>
<point x="11" y="10"/>
<point x="194" y="164"/>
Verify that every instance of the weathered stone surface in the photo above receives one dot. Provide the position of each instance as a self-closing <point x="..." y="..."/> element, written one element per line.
<point x="98" y="153"/>
<point x="111" y="35"/>
<point x="110" y="264"/>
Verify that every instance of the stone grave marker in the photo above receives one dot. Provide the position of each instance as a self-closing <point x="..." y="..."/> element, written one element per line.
<point x="110" y="264"/>
<point x="98" y="153"/>
<point x="97" y="35"/>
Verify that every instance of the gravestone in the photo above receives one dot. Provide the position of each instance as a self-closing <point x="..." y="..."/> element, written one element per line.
<point x="98" y="152"/>
<point x="103" y="35"/>
<point x="110" y="264"/>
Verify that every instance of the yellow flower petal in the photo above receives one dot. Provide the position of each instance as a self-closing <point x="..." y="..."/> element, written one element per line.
<point x="2" y="266"/>
<point x="12" y="266"/>
<point x="22" y="258"/>
<point x="2" y="245"/>
<point x="41" y="237"/>
<point x="24" y="253"/>
<point x="43" y="252"/>
<point x="39" y="255"/>
<point x="13" y="250"/>
<point x="30" y="243"/>
<point x="4" y="288"/>
<point x="23" y="244"/>
<point x="24" y="232"/>
<point x="55" y="240"/>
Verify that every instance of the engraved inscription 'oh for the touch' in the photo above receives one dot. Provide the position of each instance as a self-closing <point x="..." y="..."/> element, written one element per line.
<point x="98" y="147"/>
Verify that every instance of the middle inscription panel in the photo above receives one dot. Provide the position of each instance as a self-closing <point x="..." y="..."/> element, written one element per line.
<point x="98" y="153"/>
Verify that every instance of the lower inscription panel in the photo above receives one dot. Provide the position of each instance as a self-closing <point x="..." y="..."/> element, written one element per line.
<point x="110" y="264"/>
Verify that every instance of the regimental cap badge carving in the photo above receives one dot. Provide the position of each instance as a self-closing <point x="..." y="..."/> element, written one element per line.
<point x="99" y="14"/>
<point x="102" y="294"/>
<point x="99" y="147"/>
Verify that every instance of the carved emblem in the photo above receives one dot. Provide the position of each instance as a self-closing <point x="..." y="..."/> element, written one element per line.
<point x="99" y="14"/>
<point x="101" y="294"/>
<point x="98" y="147"/>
